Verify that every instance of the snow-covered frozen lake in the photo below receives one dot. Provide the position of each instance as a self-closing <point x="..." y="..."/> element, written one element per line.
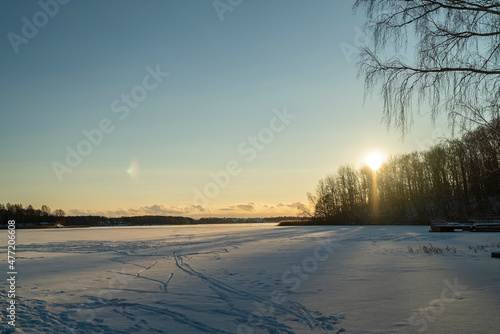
<point x="254" y="279"/>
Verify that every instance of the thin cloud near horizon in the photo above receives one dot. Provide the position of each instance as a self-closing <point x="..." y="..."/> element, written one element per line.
<point x="243" y="210"/>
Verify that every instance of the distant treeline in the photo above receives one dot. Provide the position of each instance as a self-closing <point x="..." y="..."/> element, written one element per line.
<point x="454" y="179"/>
<point x="131" y="221"/>
<point x="30" y="217"/>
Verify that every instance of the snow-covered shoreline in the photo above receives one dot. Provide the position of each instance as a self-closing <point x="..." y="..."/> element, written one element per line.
<point x="256" y="278"/>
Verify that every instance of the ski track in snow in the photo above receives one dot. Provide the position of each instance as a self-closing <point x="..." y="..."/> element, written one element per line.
<point x="224" y="291"/>
<point x="184" y="283"/>
<point x="40" y="316"/>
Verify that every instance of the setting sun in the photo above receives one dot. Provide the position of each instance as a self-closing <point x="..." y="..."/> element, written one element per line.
<point x="374" y="160"/>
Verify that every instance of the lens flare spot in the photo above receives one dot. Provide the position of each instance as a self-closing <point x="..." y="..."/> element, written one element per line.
<point x="133" y="169"/>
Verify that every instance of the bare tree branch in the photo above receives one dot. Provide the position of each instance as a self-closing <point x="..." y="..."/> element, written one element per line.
<point x="454" y="65"/>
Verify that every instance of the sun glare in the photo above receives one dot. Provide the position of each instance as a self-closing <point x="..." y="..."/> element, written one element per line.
<point x="374" y="160"/>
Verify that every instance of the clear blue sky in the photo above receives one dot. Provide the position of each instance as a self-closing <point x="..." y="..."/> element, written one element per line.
<point x="225" y="79"/>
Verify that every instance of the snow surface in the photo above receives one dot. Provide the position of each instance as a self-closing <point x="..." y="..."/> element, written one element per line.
<point x="256" y="278"/>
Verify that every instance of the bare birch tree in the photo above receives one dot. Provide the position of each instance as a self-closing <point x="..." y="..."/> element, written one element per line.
<point x="441" y="53"/>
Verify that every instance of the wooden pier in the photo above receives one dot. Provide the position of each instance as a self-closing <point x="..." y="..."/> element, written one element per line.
<point x="472" y="225"/>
